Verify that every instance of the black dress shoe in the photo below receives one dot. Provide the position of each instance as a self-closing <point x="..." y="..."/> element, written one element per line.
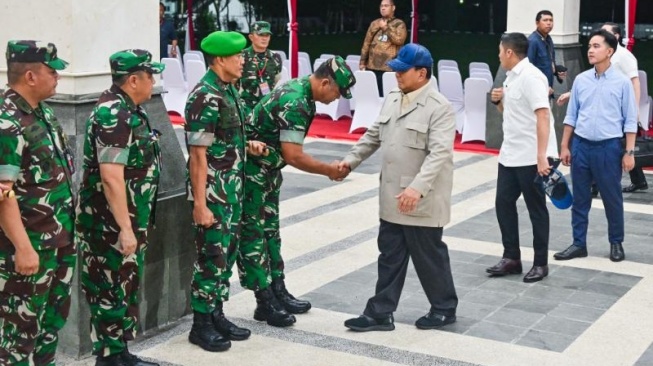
<point x="617" y="252"/>
<point x="574" y="251"/>
<point x="635" y="187"/>
<point x="537" y="273"/>
<point x="365" y="323"/>
<point x="505" y="267"/>
<point x="434" y="320"/>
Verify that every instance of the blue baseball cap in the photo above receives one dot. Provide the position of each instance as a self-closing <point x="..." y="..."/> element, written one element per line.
<point x="411" y="55"/>
<point x="555" y="186"/>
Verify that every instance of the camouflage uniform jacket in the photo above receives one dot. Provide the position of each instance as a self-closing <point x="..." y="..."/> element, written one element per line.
<point x="118" y="131"/>
<point x="382" y="46"/>
<point x="258" y="68"/>
<point x="214" y="118"/>
<point x="34" y="154"/>
<point x="284" y="115"/>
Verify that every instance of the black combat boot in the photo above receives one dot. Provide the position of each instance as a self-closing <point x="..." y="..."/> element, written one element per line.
<point x="131" y="359"/>
<point x="203" y="334"/>
<point x="289" y="302"/>
<point x="112" y="360"/>
<point x="228" y="329"/>
<point x="269" y="309"/>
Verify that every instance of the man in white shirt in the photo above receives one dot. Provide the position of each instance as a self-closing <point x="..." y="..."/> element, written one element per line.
<point x="524" y="102"/>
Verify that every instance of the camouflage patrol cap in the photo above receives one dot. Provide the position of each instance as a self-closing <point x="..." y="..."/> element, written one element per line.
<point x="129" y="61"/>
<point x="260" y="27"/>
<point x="24" y="51"/>
<point x="342" y="74"/>
<point x="223" y="44"/>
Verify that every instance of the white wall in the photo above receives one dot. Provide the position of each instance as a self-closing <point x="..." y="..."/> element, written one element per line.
<point x="86" y="33"/>
<point x="566" y="17"/>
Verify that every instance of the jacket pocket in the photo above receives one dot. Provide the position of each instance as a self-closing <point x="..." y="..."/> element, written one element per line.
<point x="383" y="120"/>
<point x="424" y="205"/>
<point x="416" y="135"/>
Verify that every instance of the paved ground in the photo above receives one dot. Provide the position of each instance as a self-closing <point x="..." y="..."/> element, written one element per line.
<point x="589" y="311"/>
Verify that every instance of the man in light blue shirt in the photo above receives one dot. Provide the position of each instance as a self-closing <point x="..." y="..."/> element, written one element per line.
<point x="601" y="110"/>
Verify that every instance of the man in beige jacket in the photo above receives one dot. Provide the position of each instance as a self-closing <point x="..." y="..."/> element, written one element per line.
<point x="415" y="132"/>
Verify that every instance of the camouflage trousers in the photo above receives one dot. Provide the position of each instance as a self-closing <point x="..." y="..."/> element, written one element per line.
<point x="217" y="250"/>
<point x="110" y="282"/>
<point x="34" y="308"/>
<point x="260" y="258"/>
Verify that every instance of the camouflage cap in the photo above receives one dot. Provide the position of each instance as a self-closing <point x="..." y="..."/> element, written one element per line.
<point x="129" y="61"/>
<point x="223" y="44"/>
<point x="260" y="27"/>
<point x="342" y="74"/>
<point x="34" y="51"/>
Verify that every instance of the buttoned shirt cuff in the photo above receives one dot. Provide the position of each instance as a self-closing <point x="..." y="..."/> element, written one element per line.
<point x="112" y="155"/>
<point x="9" y="173"/>
<point x="200" y="138"/>
<point x="296" y="137"/>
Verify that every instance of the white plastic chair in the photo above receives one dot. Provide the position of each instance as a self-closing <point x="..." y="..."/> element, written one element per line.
<point x="356" y="58"/>
<point x="178" y="57"/>
<point x="174" y="85"/>
<point x="281" y="53"/>
<point x="304" y="67"/>
<point x="478" y="66"/>
<point x="451" y="87"/>
<point x="304" y="55"/>
<point x="197" y="52"/>
<point x="389" y="80"/>
<point x="195" y="70"/>
<point x="450" y="63"/>
<point x="336" y="109"/>
<point x="483" y="74"/>
<point x="368" y="104"/>
<point x="285" y="75"/>
<point x="434" y="83"/>
<point x="327" y="56"/>
<point x="318" y="62"/>
<point x="644" y="100"/>
<point x="192" y="56"/>
<point x="475" y="109"/>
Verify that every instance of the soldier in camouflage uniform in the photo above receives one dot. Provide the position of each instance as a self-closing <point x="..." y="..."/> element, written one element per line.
<point x="262" y="68"/>
<point x="281" y="120"/>
<point x="383" y="39"/>
<point x="217" y="151"/>
<point x="116" y="204"/>
<point x="37" y="252"/>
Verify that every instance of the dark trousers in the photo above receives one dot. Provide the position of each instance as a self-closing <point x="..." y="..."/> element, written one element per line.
<point x="599" y="162"/>
<point x="637" y="176"/>
<point x="424" y="245"/>
<point x="379" y="80"/>
<point x="511" y="183"/>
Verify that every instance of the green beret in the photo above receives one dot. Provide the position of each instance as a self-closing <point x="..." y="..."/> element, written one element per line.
<point x="25" y="51"/>
<point x="223" y="44"/>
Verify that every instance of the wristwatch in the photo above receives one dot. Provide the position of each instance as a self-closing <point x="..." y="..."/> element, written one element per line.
<point x="630" y="152"/>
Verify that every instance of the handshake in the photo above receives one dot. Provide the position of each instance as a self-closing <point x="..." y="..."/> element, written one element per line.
<point x="338" y="170"/>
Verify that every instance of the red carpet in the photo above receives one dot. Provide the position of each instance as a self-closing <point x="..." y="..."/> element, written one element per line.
<point x="324" y="127"/>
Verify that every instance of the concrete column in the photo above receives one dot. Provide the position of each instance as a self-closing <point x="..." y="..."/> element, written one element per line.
<point x="566" y="29"/>
<point x="86" y="33"/>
